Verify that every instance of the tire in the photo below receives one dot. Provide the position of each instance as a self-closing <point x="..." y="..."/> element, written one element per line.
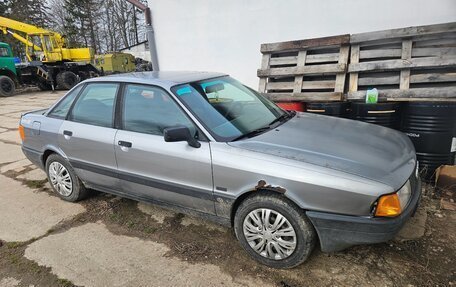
<point x="304" y="234"/>
<point x="67" y="80"/>
<point x="43" y="86"/>
<point x="78" y="191"/>
<point x="7" y="86"/>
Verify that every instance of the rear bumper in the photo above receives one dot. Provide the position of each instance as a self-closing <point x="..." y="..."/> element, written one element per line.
<point x="34" y="156"/>
<point x="338" y="232"/>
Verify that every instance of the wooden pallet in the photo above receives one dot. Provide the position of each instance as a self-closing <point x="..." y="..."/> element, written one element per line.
<point x="305" y="70"/>
<point x="404" y="64"/>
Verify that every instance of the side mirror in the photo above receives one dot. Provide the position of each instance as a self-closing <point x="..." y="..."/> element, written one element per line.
<point x="179" y="134"/>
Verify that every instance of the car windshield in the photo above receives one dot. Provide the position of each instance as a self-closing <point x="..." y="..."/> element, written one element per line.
<point x="228" y="109"/>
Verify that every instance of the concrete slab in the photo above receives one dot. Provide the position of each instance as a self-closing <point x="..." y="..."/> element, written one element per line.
<point x="11" y="136"/>
<point x="414" y="228"/>
<point x="10" y="153"/>
<point x="9" y="122"/>
<point x="9" y="282"/>
<point x="26" y="214"/>
<point x="2" y="130"/>
<point x="16" y="166"/>
<point x="90" y="255"/>
<point x="35" y="174"/>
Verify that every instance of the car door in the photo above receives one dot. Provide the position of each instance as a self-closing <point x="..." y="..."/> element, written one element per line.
<point x="87" y="135"/>
<point x="149" y="167"/>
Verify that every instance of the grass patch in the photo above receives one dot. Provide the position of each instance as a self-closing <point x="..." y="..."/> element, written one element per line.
<point x="64" y="282"/>
<point x="35" y="183"/>
<point x="12" y="245"/>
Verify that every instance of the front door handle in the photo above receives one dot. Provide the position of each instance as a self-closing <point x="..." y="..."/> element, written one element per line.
<point x="124" y="144"/>
<point x="67" y="133"/>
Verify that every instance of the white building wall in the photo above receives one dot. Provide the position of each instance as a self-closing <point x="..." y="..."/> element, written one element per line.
<point x="225" y="35"/>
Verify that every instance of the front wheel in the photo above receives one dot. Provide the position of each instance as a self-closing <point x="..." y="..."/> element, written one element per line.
<point x="64" y="180"/>
<point x="7" y="86"/>
<point x="274" y="231"/>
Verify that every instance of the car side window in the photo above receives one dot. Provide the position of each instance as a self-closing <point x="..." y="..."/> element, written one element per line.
<point x="150" y="110"/>
<point x="61" y="109"/>
<point x="95" y="106"/>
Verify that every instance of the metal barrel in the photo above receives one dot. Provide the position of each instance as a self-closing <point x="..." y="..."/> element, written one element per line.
<point x="432" y="128"/>
<point x="335" y="109"/>
<point x="384" y="114"/>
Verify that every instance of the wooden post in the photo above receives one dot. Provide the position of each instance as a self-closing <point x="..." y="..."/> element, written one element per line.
<point x="354" y="59"/>
<point x="264" y="65"/>
<point x="340" y="77"/>
<point x="298" y="79"/>
<point x="406" y="56"/>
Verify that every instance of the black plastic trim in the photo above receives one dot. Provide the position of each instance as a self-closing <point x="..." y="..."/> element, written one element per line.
<point x="169" y="186"/>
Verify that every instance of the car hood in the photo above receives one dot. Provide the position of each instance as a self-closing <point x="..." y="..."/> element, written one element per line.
<point x="354" y="147"/>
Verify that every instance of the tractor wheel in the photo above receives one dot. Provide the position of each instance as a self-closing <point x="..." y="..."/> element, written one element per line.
<point x="67" y="80"/>
<point x="7" y="86"/>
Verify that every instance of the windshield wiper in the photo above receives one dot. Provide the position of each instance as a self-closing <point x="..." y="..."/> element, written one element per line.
<point x="253" y="133"/>
<point x="280" y="118"/>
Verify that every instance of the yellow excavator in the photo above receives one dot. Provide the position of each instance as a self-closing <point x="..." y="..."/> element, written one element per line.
<point x="50" y="62"/>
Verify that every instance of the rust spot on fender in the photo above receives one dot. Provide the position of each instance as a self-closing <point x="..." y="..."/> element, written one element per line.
<point x="262" y="185"/>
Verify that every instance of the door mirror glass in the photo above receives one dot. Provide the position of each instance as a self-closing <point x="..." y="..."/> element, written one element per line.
<point x="179" y="134"/>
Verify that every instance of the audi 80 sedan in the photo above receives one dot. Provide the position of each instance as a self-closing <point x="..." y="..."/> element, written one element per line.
<point x="206" y="144"/>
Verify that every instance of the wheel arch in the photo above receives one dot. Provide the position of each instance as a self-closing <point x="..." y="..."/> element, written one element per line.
<point x="261" y="188"/>
<point x="48" y="150"/>
<point x="9" y="74"/>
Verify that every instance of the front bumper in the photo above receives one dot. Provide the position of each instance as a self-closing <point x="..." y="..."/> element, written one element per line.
<point x="338" y="232"/>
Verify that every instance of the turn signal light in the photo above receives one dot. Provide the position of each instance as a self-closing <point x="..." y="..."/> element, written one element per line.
<point x="21" y="132"/>
<point x="388" y="205"/>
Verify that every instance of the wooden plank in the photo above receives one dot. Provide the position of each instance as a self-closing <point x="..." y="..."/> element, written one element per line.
<point x="414" y="79"/>
<point x="386" y="65"/>
<point x="380" y="53"/>
<point x="404" y="81"/>
<point x="306" y="96"/>
<point x="298" y="45"/>
<point x="340" y="77"/>
<point x="311" y="59"/>
<point x="306" y="85"/>
<point x="354" y="59"/>
<point x="433" y="52"/>
<point x="264" y="65"/>
<point x="433" y="78"/>
<point x="325" y="69"/>
<point x="435" y="93"/>
<point x="298" y="79"/>
<point x="378" y="81"/>
<point x="403" y="32"/>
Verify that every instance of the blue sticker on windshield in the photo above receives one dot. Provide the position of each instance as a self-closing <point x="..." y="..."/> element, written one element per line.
<point x="184" y="90"/>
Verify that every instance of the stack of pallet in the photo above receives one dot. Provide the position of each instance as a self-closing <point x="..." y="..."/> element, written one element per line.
<point x="415" y="63"/>
<point x="312" y="69"/>
<point x="404" y="64"/>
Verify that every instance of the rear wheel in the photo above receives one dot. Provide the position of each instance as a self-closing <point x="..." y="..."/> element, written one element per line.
<point x="7" y="86"/>
<point x="67" y="80"/>
<point x="64" y="180"/>
<point x="274" y="231"/>
<point x="43" y="86"/>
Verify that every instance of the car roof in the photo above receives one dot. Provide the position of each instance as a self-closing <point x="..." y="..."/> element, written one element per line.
<point x="164" y="79"/>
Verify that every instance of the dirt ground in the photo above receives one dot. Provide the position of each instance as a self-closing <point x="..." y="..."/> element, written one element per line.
<point x="193" y="244"/>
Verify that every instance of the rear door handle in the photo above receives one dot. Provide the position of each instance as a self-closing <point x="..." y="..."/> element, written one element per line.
<point x="124" y="144"/>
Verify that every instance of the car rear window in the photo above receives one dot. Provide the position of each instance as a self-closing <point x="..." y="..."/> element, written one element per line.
<point x="95" y="106"/>
<point x="62" y="108"/>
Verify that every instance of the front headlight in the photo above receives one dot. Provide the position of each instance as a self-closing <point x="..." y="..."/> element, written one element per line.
<point x="391" y="205"/>
<point x="404" y="194"/>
